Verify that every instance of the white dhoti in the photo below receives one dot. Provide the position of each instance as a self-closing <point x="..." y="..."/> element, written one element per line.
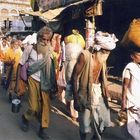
<point x="98" y="116"/>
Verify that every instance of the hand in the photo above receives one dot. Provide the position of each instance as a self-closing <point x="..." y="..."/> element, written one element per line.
<point x="134" y="111"/>
<point x="77" y="106"/>
<point x="106" y="101"/>
<point x="61" y="67"/>
<point x="123" y="106"/>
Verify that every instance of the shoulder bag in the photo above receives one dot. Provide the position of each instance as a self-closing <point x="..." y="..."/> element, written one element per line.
<point x="24" y="68"/>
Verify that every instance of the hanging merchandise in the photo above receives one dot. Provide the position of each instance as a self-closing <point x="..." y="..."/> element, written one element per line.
<point x="90" y="31"/>
<point x="75" y="38"/>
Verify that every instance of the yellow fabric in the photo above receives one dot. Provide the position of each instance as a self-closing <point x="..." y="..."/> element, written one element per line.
<point x="13" y="55"/>
<point x="1" y="56"/>
<point x="38" y="103"/>
<point x="45" y="119"/>
<point x="75" y="38"/>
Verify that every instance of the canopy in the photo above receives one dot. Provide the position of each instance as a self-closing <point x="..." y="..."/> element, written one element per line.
<point x="45" y="5"/>
<point x="50" y="14"/>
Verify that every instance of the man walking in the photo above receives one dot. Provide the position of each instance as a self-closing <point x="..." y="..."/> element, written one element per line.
<point x="39" y="81"/>
<point x="89" y="85"/>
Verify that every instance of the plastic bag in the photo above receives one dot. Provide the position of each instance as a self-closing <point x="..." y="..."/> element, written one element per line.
<point x="75" y="38"/>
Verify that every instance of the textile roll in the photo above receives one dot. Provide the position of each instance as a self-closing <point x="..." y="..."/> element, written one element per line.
<point x="132" y="35"/>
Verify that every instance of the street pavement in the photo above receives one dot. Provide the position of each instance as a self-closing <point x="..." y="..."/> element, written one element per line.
<point x="61" y="126"/>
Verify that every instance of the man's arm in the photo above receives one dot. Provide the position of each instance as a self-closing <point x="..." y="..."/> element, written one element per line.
<point x="77" y="69"/>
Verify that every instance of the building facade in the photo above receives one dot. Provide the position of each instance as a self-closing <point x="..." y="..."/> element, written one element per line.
<point x="9" y="9"/>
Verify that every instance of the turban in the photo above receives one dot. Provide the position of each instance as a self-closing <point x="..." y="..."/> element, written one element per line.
<point x="104" y="40"/>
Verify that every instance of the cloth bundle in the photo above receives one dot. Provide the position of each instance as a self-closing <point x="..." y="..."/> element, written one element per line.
<point x="75" y="38"/>
<point x="132" y="34"/>
<point x="30" y="39"/>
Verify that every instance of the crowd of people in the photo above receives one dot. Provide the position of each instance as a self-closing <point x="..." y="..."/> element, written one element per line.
<point x="67" y="69"/>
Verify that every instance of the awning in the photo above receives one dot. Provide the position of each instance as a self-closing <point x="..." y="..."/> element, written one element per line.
<point x="48" y="16"/>
<point x="45" y="5"/>
<point x="52" y="13"/>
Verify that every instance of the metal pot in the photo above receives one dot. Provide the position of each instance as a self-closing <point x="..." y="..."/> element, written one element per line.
<point x="16" y="103"/>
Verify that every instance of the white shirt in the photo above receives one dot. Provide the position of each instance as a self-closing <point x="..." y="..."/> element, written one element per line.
<point x="32" y="58"/>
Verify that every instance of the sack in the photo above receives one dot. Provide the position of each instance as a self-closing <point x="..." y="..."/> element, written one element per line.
<point x="23" y="72"/>
<point x="75" y="38"/>
<point x="132" y="35"/>
<point x="24" y="68"/>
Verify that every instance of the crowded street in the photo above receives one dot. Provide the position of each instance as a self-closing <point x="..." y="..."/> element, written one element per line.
<point x="69" y="70"/>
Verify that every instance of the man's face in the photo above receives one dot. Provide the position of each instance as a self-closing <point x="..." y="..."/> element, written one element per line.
<point x="9" y="38"/>
<point x="45" y="39"/>
<point x="4" y="42"/>
<point x="16" y="45"/>
<point x="136" y="57"/>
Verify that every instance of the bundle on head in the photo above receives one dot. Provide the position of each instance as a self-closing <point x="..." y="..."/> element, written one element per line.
<point x="132" y="35"/>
